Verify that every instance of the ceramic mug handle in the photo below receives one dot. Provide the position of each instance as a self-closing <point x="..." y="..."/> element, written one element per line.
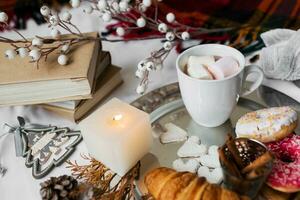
<point x="252" y="69"/>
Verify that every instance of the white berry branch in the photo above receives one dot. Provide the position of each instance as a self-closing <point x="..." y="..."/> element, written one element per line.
<point x="131" y="16"/>
<point x="36" y="48"/>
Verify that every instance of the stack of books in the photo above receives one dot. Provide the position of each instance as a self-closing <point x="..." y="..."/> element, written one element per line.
<point x="72" y="91"/>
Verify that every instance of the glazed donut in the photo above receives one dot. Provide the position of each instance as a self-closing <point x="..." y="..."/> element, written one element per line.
<point x="267" y="125"/>
<point x="285" y="174"/>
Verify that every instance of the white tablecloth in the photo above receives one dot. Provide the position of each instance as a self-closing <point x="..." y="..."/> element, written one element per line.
<point x="18" y="182"/>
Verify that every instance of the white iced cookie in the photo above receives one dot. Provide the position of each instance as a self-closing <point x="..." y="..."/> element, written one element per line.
<point x="190" y="165"/>
<point x="212" y="176"/>
<point x="211" y="161"/>
<point x="215" y="176"/>
<point x="192" y="148"/>
<point x="196" y="67"/>
<point x="194" y="139"/>
<point x="203" y="171"/>
<point x="224" y="67"/>
<point x="198" y="159"/>
<point x="173" y="134"/>
<point x="213" y="150"/>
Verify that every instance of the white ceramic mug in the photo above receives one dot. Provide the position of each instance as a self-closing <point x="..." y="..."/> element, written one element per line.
<point x="211" y="102"/>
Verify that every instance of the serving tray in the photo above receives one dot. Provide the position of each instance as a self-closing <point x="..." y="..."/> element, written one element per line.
<point x="166" y="106"/>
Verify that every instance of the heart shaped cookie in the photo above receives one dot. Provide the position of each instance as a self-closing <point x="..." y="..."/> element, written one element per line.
<point x="191" y="165"/>
<point x="194" y="139"/>
<point x="192" y="148"/>
<point x="215" y="176"/>
<point x="173" y="134"/>
<point x="211" y="161"/>
<point x="213" y="150"/>
<point x="203" y="171"/>
<point x="212" y="176"/>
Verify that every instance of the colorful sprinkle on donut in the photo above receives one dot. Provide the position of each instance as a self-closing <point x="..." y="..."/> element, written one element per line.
<point x="285" y="174"/>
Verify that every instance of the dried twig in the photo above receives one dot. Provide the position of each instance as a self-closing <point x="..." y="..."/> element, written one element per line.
<point x="101" y="179"/>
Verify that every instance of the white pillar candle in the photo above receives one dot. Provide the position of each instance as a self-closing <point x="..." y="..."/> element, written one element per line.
<point x="118" y="135"/>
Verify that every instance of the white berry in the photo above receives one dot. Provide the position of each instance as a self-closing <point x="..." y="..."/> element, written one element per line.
<point x="123" y="5"/>
<point x="54" y="20"/>
<point x="75" y="3"/>
<point x="65" y="48"/>
<point x="147" y="3"/>
<point x="170" y="17"/>
<point x="141" y="22"/>
<point x="88" y="9"/>
<point x="141" y="88"/>
<point x="45" y="11"/>
<point x="35" y="54"/>
<point x="106" y="17"/>
<point x="115" y="6"/>
<point x="3" y="17"/>
<point x="102" y="4"/>
<point x="162" y="27"/>
<point x="67" y="16"/>
<point x="23" y="52"/>
<point x="38" y="42"/>
<point x="62" y="59"/>
<point x="185" y="35"/>
<point x="167" y="45"/>
<point x="55" y="33"/>
<point x="120" y="31"/>
<point x="142" y="65"/>
<point x="170" y="36"/>
<point x="139" y="73"/>
<point x="10" y="54"/>
<point x="150" y="66"/>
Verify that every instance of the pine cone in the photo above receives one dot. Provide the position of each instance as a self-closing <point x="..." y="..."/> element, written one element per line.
<point x="58" y="188"/>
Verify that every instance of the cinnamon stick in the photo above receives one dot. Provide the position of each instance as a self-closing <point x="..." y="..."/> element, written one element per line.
<point x="259" y="162"/>
<point x="234" y="152"/>
<point x="255" y="173"/>
<point x="232" y="168"/>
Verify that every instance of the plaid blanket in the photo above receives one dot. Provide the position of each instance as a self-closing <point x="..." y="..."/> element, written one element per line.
<point x="261" y="14"/>
<point x="248" y="18"/>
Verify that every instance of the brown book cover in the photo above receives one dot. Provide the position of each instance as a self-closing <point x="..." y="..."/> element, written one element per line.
<point x="63" y="112"/>
<point x="106" y="83"/>
<point x="104" y="60"/>
<point x="78" y="76"/>
<point x="20" y="70"/>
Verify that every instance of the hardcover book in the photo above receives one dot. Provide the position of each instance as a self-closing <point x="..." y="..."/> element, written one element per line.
<point x="109" y="80"/>
<point x="22" y="83"/>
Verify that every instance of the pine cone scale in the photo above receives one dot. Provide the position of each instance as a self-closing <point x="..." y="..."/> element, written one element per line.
<point x="58" y="188"/>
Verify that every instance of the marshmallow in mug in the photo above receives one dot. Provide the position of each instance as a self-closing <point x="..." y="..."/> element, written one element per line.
<point x="196" y="67"/>
<point x="224" y="67"/>
<point x="205" y="67"/>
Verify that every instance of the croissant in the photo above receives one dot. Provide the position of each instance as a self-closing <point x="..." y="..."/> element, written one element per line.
<point x="167" y="184"/>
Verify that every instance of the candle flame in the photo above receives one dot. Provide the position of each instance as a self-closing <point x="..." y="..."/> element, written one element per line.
<point x="117" y="117"/>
